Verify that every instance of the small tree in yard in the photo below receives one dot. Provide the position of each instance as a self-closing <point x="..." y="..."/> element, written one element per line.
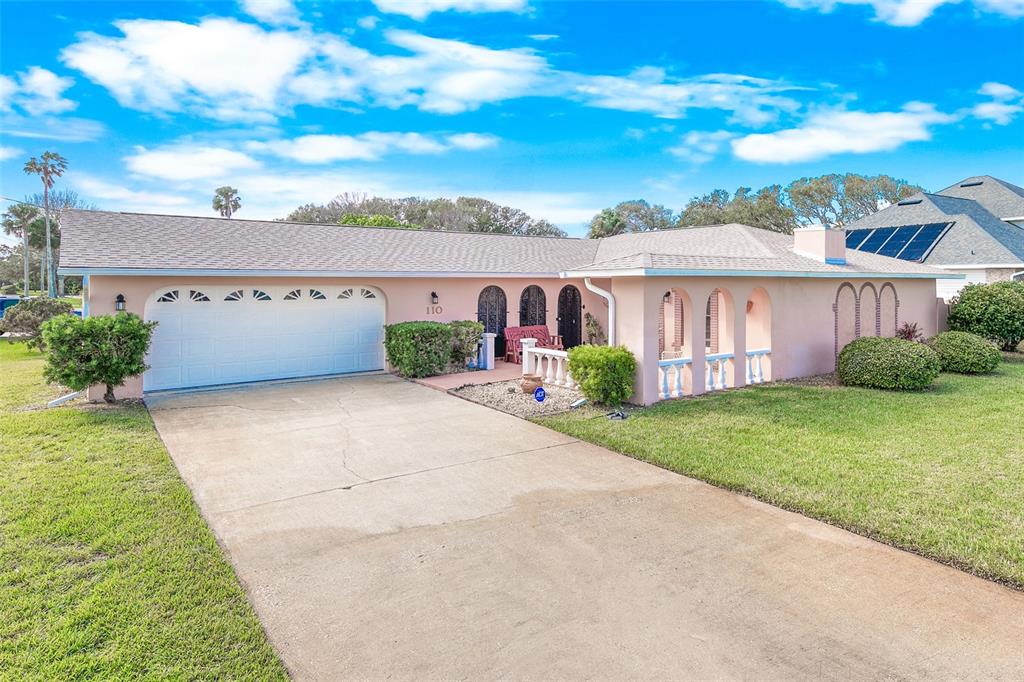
<point x="106" y="349"/>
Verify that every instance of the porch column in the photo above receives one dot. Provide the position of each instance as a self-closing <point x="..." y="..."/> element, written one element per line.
<point x="699" y="296"/>
<point x="638" y="302"/>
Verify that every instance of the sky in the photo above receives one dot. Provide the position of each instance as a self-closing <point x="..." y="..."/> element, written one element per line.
<point x="558" y="108"/>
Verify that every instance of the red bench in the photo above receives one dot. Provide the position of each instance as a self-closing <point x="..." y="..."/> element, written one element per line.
<point x="515" y="335"/>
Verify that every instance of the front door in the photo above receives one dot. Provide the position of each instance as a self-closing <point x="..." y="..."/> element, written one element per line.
<point x="570" y="312"/>
<point x="492" y="312"/>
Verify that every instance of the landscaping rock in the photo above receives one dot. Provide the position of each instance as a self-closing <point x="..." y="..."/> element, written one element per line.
<point x="506" y="396"/>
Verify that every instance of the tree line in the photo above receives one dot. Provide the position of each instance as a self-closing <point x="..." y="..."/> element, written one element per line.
<point x="832" y="200"/>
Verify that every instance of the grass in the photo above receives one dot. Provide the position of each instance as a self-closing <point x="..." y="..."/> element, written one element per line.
<point x="939" y="472"/>
<point x="107" y="570"/>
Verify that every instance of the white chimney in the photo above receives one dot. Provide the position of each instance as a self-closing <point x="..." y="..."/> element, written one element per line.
<point x="821" y="243"/>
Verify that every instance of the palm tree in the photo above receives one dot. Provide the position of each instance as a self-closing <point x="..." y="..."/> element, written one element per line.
<point x="49" y="166"/>
<point x="17" y="221"/>
<point x="226" y="201"/>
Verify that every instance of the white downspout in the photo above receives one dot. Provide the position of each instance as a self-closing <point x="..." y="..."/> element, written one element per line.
<point x="606" y="295"/>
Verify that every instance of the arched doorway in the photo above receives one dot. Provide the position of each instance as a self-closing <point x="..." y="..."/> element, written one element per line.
<point x="532" y="307"/>
<point x="719" y="341"/>
<point x="492" y="312"/>
<point x="867" y="308"/>
<point x="888" y="310"/>
<point x="570" y="316"/>
<point x="845" y="312"/>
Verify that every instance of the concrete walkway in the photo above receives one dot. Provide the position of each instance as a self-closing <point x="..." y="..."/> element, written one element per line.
<point x="386" y="530"/>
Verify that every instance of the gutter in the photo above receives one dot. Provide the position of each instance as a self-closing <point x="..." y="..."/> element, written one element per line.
<point x="606" y="295"/>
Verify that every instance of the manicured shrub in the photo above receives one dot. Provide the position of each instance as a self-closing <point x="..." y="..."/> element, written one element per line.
<point x="25" y="320"/>
<point x="965" y="353"/>
<point x="880" y="362"/>
<point x="992" y="311"/>
<point x="604" y="373"/>
<point x="465" y="336"/>
<point x="418" y="349"/>
<point x="106" y="349"/>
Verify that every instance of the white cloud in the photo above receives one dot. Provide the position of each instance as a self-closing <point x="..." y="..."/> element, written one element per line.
<point x="273" y="12"/>
<point x="542" y="37"/>
<point x="226" y="69"/>
<point x="838" y="131"/>
<point x="421" y="9"/>
<point x="699" y="146"/>
<point x="472" y="141"/>
<point x="368" y="146"/>
<point x="1005" y="103"/>
<point x="909" y="12"/>
<point x="189" y="162"/>
<point x="66" y="129"/>
<point x="368" y="22"/>
<point x="752" y="101"/>
<point x="9" y="152"/>
<point x="125" y="198"/>
<point x="36" y="91"/>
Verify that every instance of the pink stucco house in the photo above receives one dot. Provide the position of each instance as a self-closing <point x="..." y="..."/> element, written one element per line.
<point x="702" y="308"/>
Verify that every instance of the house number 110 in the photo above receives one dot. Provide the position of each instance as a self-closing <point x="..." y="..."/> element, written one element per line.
<point x="434" y="310"/>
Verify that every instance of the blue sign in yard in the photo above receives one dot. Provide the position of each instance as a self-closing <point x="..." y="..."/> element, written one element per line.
<point x="539" y="394"/>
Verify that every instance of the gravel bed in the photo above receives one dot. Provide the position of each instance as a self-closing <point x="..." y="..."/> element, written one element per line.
<point x="507" y="397"/>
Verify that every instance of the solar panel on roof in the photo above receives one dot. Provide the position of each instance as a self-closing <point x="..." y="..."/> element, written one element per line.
<point x="898" y="240"/>
<point x="877" y="238"/>
<point x="923" y="241"/>
<point x="855" y="237"/>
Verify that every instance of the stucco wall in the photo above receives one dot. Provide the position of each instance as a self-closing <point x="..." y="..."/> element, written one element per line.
<point x="407" y="298"/>
<point x="803" y="322"/>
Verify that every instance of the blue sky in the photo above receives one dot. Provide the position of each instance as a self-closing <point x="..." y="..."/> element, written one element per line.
<point x="558" y="108"/>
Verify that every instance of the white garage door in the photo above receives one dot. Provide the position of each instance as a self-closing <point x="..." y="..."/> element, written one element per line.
<point x="209" y="335"/>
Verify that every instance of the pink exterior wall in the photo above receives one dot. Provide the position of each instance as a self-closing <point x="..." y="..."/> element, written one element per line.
<point x="407" y="299"/>
<point x="803" y="322"/>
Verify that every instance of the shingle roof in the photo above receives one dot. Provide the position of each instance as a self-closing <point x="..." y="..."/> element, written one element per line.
<point x="976" y="235"/>
<point x="1001" y="198"/>
<point x="733" y="248"/>
<point x="101" y="239"/>
<point x="136" y="242"/>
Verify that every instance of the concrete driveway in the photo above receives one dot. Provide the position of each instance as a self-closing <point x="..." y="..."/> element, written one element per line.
<point x="386" y="530"/>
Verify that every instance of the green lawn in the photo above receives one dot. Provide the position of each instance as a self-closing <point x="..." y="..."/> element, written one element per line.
<point x="107" y="570"/>
<point x="939" y="472"/>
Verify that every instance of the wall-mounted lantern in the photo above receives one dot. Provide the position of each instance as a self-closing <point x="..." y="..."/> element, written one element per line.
<point x="119" y="303"/>
<point x="433" y="297"/>
<point x="666" y="297"/>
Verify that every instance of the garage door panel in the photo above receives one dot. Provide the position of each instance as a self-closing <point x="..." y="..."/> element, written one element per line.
<point x="231" y="341"/>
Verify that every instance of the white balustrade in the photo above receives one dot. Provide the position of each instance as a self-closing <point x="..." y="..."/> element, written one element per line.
<point x="715" y="369"/>
<point x="755" y="366"/>
<point x="551" y="365"/>
<point x="671" y="376"/>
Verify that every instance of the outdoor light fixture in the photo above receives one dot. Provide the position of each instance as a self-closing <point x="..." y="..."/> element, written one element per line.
<point x="119" y="303"/>
<point x="433" y="297"/>
<point x="666" y="297"/>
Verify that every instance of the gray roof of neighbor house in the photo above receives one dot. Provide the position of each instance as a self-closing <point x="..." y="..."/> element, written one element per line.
<point x="1001" y="198"/>
<point x="976" y="236"/>
<point x="134" y="243"/>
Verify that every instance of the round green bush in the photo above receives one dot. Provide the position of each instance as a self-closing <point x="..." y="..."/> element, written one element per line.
<point x="880" y="362"/>
<point x="992" y="311"/>
<point x="418" y="349"/>
<point x="604" y="373"/>
<point x="465" y="336"/>
<point x="965" y="353"/>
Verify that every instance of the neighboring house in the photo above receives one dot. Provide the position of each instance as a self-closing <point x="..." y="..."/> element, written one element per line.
<point x="975" y="227"/>
<point x="243" y="300"/>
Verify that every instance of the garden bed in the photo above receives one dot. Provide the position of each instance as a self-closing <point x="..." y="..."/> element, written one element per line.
<point x="507" y="397"/>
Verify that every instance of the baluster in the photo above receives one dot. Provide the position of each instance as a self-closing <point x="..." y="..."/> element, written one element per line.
<point x="710" y="380"/>
<point x="664" y="381"/>
<point x="760" y="368"/>
<point x="679" y="381"/>
<point x="721" y="374"/>
<point x="560" y="371"/>
<point x="569" y="382"/>
<point x="550" y="376"/>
